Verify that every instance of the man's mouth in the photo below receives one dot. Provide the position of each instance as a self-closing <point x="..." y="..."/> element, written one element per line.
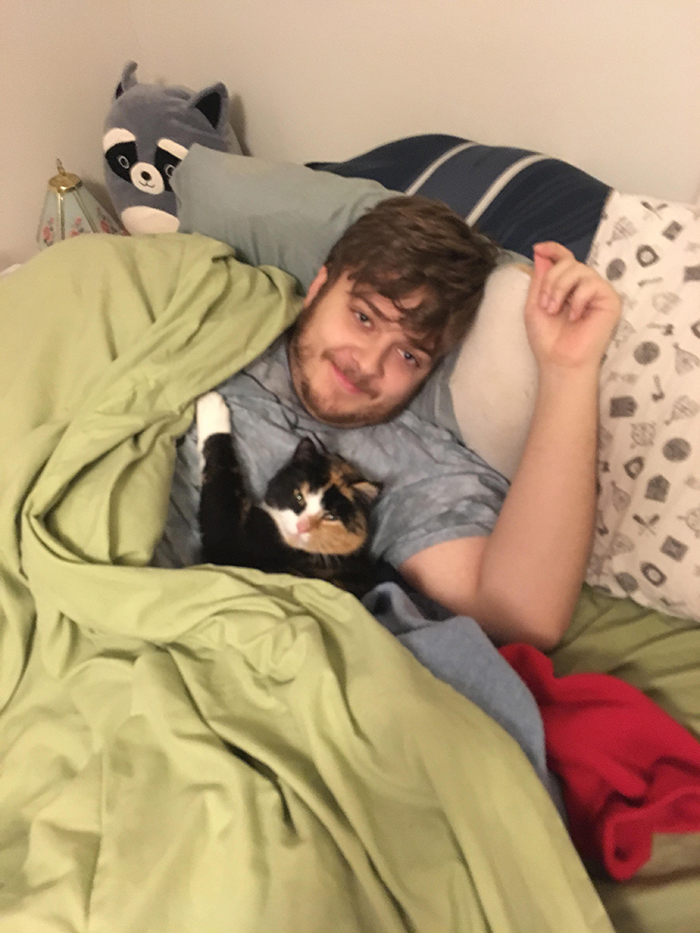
<point x="346" y="382"/>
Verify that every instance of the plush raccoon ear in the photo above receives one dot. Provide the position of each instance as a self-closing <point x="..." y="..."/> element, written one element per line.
<point x="212" y="102"/>
<point x="368" y="489"/>
<point x="128" y="79"/>
<point x="306" y="451"/>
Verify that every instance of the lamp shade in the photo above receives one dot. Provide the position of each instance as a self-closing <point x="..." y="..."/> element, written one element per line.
<point x="70" y="209"/>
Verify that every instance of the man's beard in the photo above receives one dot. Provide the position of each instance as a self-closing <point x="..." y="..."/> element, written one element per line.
<point x="299" y="355"/>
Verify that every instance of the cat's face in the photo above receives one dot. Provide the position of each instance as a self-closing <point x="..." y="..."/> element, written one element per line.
<point x="320" y="503"/>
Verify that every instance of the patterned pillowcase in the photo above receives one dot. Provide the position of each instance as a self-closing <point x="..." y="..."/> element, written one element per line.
<point x="647" y="541"/>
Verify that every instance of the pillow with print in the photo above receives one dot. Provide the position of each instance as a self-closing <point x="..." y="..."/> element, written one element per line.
<point x="647" y="539"/>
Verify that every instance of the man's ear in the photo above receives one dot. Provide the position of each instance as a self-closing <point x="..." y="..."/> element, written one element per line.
<point x="316" y="285"/>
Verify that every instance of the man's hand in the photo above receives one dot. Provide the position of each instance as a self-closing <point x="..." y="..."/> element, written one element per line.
<point x="570" y="312"/>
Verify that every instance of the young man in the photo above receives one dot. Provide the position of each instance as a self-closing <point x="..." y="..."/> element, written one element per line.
<point x="398" y="291"/>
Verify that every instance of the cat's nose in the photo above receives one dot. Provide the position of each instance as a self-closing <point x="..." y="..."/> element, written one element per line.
<point x="303" y="525"/>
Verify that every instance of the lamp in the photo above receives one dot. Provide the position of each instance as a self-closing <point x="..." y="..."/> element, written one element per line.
<point x="70" y="209"/>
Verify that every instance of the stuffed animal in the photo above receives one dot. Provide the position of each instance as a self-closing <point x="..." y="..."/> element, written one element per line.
<point x="148" y="131"/>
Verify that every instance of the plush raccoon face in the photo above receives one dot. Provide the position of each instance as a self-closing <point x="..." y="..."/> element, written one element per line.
<point x="152" y="178"/>
<point x="149" y="129"/>
<point x="320" y="503"/>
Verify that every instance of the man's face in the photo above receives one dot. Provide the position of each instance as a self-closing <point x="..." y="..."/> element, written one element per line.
<point x="351" y="361"/>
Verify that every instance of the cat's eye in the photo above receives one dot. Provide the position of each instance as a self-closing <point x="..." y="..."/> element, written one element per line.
<point x="329" y="517"/>
<point x="298" y="496"/>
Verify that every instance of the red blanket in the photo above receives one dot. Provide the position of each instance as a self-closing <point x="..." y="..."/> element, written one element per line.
<point x="628" y="769"/>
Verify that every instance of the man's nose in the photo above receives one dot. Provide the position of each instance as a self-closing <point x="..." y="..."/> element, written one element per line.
<point x="373" y="356"/>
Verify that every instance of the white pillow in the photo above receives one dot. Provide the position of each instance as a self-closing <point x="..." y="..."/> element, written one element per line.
<point x="494" y="381"/>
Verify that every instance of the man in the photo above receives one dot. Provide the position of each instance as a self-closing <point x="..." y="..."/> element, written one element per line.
<point x="398" y="291"/>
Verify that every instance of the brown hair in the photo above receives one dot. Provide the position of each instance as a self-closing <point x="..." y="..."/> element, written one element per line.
<point x="414" y="245"/>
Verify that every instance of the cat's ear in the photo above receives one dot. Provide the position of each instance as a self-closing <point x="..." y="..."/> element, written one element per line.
<point x="367" y="489"/>
<point x="306" y="451"/>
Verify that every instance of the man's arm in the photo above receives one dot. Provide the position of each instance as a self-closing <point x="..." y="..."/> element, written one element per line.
<point x="521" y="582"/>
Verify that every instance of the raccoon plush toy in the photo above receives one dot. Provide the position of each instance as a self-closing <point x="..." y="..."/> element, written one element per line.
<point x="148" y="131"/>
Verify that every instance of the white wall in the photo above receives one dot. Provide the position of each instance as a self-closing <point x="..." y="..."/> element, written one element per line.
<point x="60" y="61"/>
<point x="613" y="87"/>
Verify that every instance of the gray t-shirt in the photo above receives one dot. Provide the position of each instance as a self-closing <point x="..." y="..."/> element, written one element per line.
<point x="434" y="488"/>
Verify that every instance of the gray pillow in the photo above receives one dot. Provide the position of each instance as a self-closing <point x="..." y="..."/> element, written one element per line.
<point x="271" y="213"/>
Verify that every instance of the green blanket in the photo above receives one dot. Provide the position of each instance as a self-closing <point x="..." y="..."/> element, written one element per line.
<point x="212" y="749"/>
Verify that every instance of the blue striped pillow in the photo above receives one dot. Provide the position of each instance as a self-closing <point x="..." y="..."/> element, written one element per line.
<point x="516" y="196"/>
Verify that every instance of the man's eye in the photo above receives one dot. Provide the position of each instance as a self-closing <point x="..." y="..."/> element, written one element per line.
<point x="409" y="357"/>
<point x="362" y="317"/>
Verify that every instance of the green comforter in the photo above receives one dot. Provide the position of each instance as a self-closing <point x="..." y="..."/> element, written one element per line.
<point x="214" y="749"/>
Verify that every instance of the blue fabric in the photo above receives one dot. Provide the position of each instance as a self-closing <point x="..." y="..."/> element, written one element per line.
<point x="395" y="165"/>
<point x="468" y="174"/>
<point x="546" y="200"/>
<point x="456" y="650"/>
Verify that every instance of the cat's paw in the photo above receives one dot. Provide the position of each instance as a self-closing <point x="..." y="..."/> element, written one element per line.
<point x="212" y="417"/>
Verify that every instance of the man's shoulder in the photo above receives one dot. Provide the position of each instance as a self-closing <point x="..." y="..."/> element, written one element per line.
<point x="275" y="354"/>
<point x="405" y="449"/>
<point x="266" y="375"/>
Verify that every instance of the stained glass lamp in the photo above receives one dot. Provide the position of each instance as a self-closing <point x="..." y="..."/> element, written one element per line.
<point x="70" y="209"/>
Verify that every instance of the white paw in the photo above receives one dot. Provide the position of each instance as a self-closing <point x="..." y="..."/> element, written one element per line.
<point x="212" y="417"/>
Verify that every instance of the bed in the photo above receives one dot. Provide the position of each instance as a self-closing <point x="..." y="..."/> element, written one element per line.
<point x="217" y="749"/>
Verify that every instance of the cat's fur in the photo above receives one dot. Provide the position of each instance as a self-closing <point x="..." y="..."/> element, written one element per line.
<point x="313" y="521"/>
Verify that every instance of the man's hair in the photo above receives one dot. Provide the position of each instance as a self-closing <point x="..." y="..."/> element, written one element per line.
<point x="414" y="245"/>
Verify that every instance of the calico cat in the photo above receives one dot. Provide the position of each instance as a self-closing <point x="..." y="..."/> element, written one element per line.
<point x="312" y="522"/>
